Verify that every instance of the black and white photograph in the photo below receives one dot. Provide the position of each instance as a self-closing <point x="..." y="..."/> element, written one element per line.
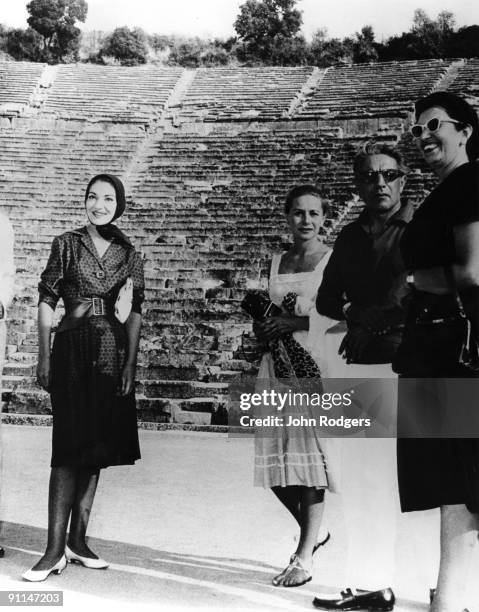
<point x="239" y="305"/>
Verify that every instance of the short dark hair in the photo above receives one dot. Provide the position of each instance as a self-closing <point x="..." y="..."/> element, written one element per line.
<point x="302" y="190"/>
<point x="377" y="148"/>
<point x="457" y="108"/>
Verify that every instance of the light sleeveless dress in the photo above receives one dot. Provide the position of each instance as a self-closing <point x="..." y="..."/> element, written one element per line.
<point x="283" y="459"/>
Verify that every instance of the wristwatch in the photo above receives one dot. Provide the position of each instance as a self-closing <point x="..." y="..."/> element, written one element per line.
<point x="410" y="279"/>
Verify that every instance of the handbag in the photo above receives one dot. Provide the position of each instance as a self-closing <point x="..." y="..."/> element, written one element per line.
<point x="439" y="345"/>
<point x="251" y="349"/>
<point x="124" y="301"/>
<point x="290" y="359"/>
<point x="258" y="305"/>
<point x="381" y="348"/>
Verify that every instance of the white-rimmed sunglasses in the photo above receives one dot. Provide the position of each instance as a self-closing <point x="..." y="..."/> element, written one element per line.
<point x="432" y="125"/>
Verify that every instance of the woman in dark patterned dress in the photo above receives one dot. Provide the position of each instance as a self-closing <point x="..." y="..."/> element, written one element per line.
<point x="440" y="247"/>
<point x="91" y="372"/>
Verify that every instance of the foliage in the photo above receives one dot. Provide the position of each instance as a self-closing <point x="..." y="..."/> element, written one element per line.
<point x="364" y="49"/>
<point x="465" y="42"/>
<point x="55" y="21"/>
<point x="195" y="52"/>
<point x="90" y="45"/>
<point x="127" y="46"/>
<point x="427" y="39"/>
<point x="432" y="36"/>
<point x="24" y="44"/>
<point x="326" y="51"/>
<point x="268" y="32"/>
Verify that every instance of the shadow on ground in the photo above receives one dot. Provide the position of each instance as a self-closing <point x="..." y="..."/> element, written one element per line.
<point x="139" y="574"/>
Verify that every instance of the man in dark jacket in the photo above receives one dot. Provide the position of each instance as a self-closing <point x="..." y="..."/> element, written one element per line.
<point x="364" y="284"/>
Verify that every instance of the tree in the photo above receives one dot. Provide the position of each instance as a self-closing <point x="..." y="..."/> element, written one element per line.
<point x="433" y="36"/>
<point x="465" y="42"/>
<point x="90" y="45"/>
<point x="3" y="37"/>
<point x="324" y="51"/>
<point x="263" y="26"/>
<point x="24" y="45"/>
<point x="363" y="47"/>
<point x="428" y="38"/>
<point x="55" y="21"/>
<point x="186" y="54"/>
<point x="194" y="52"/>
<point x="127" y="46"/>
<point x="289" y="51"/>
<point x="403" y="47"/>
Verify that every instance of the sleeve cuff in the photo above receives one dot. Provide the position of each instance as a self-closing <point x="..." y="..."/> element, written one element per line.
<point x="48" y="299"/>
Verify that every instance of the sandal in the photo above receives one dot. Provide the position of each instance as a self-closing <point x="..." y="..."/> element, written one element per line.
<point x="278" y="580"/>
<point x="295" y="565"/>
<point x="322" y="543"/>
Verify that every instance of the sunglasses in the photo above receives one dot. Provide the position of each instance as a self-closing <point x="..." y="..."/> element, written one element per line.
<point x="432" y="125"/>
<point x="372" y="176"/>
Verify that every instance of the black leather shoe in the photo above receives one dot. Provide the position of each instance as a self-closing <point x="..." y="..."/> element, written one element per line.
<point x="369" y="600"/>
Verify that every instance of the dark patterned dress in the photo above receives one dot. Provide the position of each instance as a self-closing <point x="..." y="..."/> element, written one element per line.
<point x="93" y="426"/>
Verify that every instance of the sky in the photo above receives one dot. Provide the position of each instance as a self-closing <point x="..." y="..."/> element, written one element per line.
<point x="211" y="18"/>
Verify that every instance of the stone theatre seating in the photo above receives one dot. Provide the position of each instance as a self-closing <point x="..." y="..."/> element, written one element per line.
<point x="207" y="157"/>
<point x="467" y="82"/>
<point x="17" y="82"/>
<point x="376" y="90"/>
<point x="239" y="94"/>
<point x="111" y="93"/>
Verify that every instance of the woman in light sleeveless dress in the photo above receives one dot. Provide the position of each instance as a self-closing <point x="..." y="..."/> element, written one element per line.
<point x="289" y="460"/>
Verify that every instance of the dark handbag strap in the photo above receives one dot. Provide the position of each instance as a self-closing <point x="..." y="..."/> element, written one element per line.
<point x="457" y="296"/>
<point x="469" y="354"/>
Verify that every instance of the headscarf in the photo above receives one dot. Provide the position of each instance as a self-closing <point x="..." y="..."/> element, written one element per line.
<point x="109" y="230"/>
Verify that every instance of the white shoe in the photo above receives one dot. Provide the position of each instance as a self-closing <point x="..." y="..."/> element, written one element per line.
<point x="40" y="575"/>
<point x="72" y="557"/>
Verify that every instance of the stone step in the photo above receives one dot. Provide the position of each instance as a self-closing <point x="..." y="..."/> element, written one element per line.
<point x="10" y="382"/>
<point x="227" y="376"/>
<point x="150" y="409"/>
<point x="153" y="410"/>
<point x="15" y="418"/>
<point x="191" y="418"/>
<point x="156" y="371"/>
<point x="181" y="389"/>
<point x="13" y="368"/>
<point x="28" y="401"/>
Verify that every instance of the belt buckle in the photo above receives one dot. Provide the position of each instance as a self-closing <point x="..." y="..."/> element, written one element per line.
<point x="98" y="306"/>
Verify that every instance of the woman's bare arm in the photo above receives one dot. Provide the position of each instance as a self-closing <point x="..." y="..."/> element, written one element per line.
<point x="465" y="270"/>
<point x="45" y="322"/>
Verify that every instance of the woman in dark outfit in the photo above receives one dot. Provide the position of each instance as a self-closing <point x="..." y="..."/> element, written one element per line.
<point x="91" y="373"/>
<point x="440" y="247"/>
